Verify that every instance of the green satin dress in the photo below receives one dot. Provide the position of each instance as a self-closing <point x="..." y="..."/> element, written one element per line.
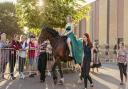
<point x="76" y="45"/>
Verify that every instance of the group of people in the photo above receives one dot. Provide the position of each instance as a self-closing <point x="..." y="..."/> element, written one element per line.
<point x="89" y="57"/>
<point x="23" y="50"/>
<point x="13" y="50"/>
<point x="90" y="53"/>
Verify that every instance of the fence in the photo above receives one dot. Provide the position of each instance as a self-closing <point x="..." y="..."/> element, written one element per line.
<point x="10" y="61"/>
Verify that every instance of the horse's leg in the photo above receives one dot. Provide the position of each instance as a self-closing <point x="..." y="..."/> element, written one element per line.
<point x="54" y="72"/>
<point x="60" y="69"/>
<point x="71" y="65"/>
<point x="61" y="73"/>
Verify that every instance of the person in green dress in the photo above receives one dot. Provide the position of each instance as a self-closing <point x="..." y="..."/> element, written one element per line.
<point x="69" y="32"/>
<point x="75" y="46"/>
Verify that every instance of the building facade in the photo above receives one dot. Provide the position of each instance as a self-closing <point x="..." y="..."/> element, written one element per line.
<point x="107" y="22"/>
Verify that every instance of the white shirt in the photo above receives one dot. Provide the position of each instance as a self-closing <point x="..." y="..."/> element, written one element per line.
<point x="22" y="52"/>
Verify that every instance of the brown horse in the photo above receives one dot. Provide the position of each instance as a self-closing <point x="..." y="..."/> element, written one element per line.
<point x="59" y="48"/>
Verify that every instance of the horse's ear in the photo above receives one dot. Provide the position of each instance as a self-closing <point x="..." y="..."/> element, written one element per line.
<point x="43" y="27"/>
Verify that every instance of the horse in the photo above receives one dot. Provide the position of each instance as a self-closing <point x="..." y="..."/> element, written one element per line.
<point x="59" y="47"/>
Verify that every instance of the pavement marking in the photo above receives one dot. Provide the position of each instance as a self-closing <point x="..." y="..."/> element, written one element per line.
<point x="7" y="87"/>
<point x="2" y="83"/>
<point x="102" y="81"/>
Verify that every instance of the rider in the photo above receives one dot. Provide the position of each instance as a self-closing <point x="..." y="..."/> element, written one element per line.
<point x="75" y="45"/>
<point x="69" y="32"/>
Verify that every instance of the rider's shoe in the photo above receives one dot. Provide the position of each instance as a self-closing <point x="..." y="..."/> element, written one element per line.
<point x="91" y="85"/>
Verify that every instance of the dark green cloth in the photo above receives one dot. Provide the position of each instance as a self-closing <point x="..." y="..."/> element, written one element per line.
<point x="76" y="45"/>
<point x="87" y="53"/>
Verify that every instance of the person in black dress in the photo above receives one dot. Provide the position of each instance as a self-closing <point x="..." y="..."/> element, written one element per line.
<point x="88" y="56"/>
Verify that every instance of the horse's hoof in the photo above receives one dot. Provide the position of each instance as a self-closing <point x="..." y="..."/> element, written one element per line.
<point x="60" y="82"/>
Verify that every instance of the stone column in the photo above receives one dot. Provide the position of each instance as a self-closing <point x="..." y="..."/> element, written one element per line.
<point x="88" y="30"/>
<point x="82" y="27"/>
<point x="113" y="22"/>
<point x="95" y="15"/>
<point x="126" y="22"/>
<point x="120" y="19"/>
<point x="102" y="22"/>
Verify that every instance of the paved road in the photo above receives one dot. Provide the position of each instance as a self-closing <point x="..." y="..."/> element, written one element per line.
<point x="107" y="78"/>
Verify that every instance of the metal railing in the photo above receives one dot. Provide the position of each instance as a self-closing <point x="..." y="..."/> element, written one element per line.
<point x="10" y="61"/>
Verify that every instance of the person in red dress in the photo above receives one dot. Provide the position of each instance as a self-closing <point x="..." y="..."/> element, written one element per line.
<point x="31" y="54"/>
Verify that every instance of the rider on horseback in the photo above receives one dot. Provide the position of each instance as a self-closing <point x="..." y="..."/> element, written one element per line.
<point x="69" y="33"/>
<point x="75" y="46"/>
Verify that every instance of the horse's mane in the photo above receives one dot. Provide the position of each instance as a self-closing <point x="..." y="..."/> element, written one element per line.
<point x="56" y="40"/>
<point x="52" y="31"/>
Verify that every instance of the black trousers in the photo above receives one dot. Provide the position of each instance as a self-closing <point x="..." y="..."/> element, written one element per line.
<point x="12" y="62"/>
<point x="42" y="62"/>
<point x="123" y="70"/>
<point x="85" y="73"/>
<point x="21" y="64"/>
<point x="57" y="64"/>
<point x="3" y="67"/>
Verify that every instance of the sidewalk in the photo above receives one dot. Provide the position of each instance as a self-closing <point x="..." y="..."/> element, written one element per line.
<point x="107" y="78"/>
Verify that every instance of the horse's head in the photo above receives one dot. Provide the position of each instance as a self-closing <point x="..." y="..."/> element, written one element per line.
<point x="47" y="33"/>
<point x="42" y="36"/>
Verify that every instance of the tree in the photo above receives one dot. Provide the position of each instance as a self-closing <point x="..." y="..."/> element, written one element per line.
<point x="28" y="14"/>
<point x="8" y="21"/>
<point x="52" y="13"/>
<point x="55" y="11"/>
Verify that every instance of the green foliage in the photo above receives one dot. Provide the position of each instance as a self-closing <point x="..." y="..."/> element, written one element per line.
<point x="55" y="12"/>
<point x="8" y="20"/>
<point x="35" y="31"/>
<point x="52" y="12"/>
<point x="28" y="14"/>
<point x="82" y="13"/>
